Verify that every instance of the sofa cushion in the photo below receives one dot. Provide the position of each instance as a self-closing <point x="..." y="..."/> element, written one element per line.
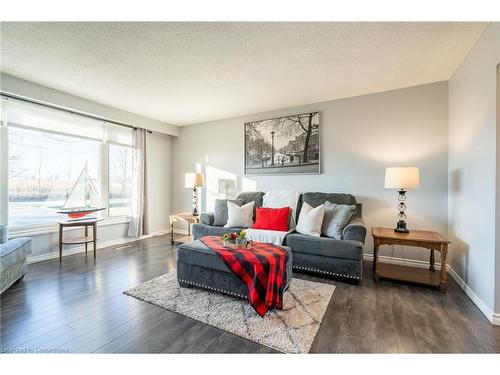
<point x="315" y="199"/>
<point x="272" y="218"/>
<point x="310" y="220"/>
<point x="207" y="218"/>
<point x="325" y="246"/>
<point x="252" y="196"/>
<point x="14" y="251"/>
<point x="239" y="216"/>
<point x="283" y="198"/>
<point x="220" y="210"/>
<point x="336" y="218"/>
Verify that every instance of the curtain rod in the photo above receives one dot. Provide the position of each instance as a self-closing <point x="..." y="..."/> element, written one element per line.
<point x="73" y="112"/>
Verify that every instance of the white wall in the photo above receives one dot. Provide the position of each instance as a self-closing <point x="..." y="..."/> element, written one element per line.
<point x="360" y="137"/>
<point x="16" y="86"/>
<point x="472" y="166"/>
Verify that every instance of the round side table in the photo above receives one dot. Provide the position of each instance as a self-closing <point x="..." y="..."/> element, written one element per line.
<point x="86" y="239"/>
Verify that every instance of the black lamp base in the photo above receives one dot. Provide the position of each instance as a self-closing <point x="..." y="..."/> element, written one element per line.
<point x="195" y="203"/>
<point x="401" y="227"/>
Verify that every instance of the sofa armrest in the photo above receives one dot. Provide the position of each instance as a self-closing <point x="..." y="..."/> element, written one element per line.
<point x="207" y="218"/>
<point x="14" y="251"/>
<point x="355" y="230"/>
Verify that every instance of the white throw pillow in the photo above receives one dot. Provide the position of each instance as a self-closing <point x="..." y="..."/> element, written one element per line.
<point x="310" y="220"/>
<point x="336" y="218"/>
<point x="239" y="216"/>
<point x="283" y="198"/>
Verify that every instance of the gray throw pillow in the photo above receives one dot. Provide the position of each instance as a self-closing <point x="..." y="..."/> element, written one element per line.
<point x="220" y="210"/>
<point x="336" y="218"/>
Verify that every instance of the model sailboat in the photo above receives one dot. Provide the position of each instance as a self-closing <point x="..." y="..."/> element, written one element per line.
<point x="82" y="199"/>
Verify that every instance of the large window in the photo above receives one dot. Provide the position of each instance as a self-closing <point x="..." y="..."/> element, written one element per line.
<point x="44" y="151"/>
<point x="42" y="169"/>
<point x="120" y="180"/>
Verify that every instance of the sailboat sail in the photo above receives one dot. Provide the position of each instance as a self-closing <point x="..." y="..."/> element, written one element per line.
<point x="77" y="196"/>
<point x="83" y="198"/>
<point x="92" y="194"/>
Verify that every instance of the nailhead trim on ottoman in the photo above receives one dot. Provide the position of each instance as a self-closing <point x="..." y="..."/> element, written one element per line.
<point x="326" y="272"/>
<point x="211" y="288"/>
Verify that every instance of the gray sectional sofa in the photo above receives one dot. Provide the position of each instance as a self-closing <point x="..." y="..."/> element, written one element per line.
<point x="336" y="258"/>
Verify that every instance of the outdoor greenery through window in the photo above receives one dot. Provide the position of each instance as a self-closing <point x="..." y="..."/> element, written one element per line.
<point x="120" y="180"/>
<point x="42" y="170"/>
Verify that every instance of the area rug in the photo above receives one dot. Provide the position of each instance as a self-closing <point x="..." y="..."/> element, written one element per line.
<point x="291" y="330"/>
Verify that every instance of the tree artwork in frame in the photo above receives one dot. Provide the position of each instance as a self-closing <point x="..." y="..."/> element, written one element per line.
<point x="283" y="145"/>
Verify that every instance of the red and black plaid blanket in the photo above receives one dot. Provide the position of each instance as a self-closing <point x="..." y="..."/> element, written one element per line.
<point x="262" y="268"/>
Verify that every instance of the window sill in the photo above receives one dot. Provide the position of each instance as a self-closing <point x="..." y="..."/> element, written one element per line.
<point x="34" y="230"/>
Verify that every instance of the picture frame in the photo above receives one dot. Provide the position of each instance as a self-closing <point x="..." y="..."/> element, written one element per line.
<point x="283" y="145"/>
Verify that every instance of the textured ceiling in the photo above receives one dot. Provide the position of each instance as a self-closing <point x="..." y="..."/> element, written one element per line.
<point x="185" y="73"/>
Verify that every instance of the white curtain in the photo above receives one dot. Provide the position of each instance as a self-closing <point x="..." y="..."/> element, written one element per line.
<point x="139" y="220"/>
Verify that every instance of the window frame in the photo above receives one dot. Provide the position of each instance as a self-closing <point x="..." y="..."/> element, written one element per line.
<point x="37" y="229"/>
<point x="108" y="143"/>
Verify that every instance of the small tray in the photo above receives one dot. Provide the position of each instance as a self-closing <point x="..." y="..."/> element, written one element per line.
<point x="230" y="245"/>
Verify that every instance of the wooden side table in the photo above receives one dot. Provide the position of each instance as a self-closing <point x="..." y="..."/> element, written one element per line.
<point x="78" y="240"/>
<point x="187" y="217"/>
<point x="418" y="238"/>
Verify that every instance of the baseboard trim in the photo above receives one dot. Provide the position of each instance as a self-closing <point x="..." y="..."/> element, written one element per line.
<point x="100" y="246"/>
<point x="496" y="319"/>
<point x="490" y="315"/>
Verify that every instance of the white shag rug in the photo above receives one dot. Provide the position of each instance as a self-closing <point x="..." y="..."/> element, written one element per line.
<point x="291" y="330"/>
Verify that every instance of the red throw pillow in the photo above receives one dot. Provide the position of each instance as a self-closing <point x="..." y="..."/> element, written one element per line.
<point x="272" y="218"/>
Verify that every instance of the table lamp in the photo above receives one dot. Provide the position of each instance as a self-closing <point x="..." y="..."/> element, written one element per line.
<point x="194" y="181"/>
<point x="402" y="178"/>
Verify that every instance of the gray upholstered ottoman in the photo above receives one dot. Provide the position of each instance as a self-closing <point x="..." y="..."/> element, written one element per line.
<point x="199" y="266"/>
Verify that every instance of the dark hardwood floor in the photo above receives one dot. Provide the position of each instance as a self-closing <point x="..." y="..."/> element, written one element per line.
<point x="78" y="306"/>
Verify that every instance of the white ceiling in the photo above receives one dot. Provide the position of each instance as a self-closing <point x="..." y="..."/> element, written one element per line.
<point x="185" y="73"/>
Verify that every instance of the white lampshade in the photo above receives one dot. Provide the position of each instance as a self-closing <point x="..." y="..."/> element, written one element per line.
<point x="194" y="180"/>
<point x="402" y="178"/>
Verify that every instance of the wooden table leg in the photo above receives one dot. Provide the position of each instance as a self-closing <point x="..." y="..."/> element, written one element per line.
<point x="431" y="261"/>
<point x="86" y="234"/>
<point x="60" y="242"/>
<point x="94" y="235"/>
<point x="375" y="259"/>
<point x="442" y="281"/>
